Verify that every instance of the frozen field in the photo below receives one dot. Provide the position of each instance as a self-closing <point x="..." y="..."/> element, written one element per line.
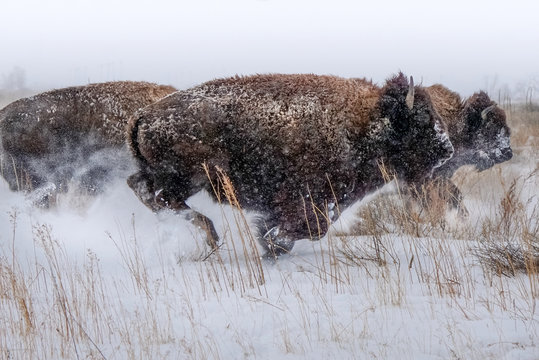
<point x="106" y="278"/>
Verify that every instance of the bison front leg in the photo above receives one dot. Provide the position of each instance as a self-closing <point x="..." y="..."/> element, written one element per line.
<point x="439" y="195"/>
<point x="274" y="242"/>
<point x="142" y="185"/>
<point x="207" y="227"/>
<point x="292" y="222"/>
<point x="454" y="198"/>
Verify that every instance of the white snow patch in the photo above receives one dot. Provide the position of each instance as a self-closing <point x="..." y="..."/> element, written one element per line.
<point x="140" y="290"/>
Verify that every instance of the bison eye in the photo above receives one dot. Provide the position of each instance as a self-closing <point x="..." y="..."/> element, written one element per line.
<point x="474" y="121"/>
<point x="491" y="131"/>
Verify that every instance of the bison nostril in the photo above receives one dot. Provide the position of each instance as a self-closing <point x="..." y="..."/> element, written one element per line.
<point x="507" y="154"/>
<point x="448" y="147"/>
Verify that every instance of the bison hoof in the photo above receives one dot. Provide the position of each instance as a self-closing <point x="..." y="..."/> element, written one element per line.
<point x="462" y="211"/>
<point x="274" y="245"/>
<point x="332" y="212"/>
<point x="43" y="196"/>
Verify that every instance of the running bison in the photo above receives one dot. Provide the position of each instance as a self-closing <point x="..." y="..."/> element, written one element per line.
<point x="75" y="132"/>
<point x="296" y="147"/>
<point x="479" y="133"/>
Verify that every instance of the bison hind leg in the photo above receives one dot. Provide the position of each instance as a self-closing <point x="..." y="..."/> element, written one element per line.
<point x="19" y="175"/>
<point x="158" y="197"/>
<point x="143" y="187"/>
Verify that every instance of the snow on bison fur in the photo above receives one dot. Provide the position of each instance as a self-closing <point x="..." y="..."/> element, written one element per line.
<point x="479" y="133"/>
<point x="294" y="146"/>
<point x="76" y="132"/>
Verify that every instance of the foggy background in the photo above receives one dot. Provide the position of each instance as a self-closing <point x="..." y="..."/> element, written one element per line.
<point x="466" y="45"/>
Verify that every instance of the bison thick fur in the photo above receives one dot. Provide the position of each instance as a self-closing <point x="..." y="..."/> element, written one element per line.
<point x="296" y="147"/>
<point x="479" y="133"/>
<point x="48" y="138"/>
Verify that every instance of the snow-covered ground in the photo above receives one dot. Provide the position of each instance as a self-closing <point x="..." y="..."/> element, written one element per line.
<point x="106" y="278"/>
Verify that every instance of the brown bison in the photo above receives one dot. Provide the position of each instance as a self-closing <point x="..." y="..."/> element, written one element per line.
<point x="294" y="146"/>
<point x="55" y="136"/>
<point x="479" y="133"/>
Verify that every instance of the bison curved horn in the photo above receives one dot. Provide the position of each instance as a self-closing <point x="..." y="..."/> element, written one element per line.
<point x="410" y="95"/>
<point x="485" y="112"/>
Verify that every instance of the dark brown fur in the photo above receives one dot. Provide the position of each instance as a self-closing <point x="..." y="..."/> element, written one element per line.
<point x="41" y="134"/>
<point x="293" y="145"/>
<point x="481" y="140"/>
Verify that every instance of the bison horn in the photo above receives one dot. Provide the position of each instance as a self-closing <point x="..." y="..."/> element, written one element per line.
<point x="485" y="112"/>
<point x="410" y="95"/>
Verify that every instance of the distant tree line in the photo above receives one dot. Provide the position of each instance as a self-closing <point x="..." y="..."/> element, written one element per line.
<point x="15" y="80"/>
<point x="13" y="86"/>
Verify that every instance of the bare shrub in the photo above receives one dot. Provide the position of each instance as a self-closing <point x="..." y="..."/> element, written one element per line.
<point x="509" y="241"/>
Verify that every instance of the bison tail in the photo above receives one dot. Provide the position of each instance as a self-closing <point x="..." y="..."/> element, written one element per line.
<point x="132" y="140"/>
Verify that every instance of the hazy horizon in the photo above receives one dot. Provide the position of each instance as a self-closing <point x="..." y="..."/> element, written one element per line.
<point x="465" y="45"/>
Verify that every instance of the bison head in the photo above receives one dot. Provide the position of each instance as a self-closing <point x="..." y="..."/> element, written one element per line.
<point x="418" y="142"/>
<point x="485" y="135"/>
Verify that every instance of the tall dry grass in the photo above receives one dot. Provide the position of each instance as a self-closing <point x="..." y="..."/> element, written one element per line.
<point x="398" y="255"/>
<point x="503" y="231"/>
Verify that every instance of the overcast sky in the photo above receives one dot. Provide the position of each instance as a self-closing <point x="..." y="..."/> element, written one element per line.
<point x="467" y="45"/>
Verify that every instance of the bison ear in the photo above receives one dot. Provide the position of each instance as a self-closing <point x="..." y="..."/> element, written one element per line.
<point x="484" y="113"/>
<point x="477" y="108"/>
<point x="396" y="101"/>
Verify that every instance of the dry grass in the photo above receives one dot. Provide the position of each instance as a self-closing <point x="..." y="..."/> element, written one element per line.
<point x="510" y="239"/>
<point x="341" y="295"/>
<point x="237" y="260"/>
<point x="524" y="123"/>
<point x="8" y="165"/>
<point x="505" y="197"/>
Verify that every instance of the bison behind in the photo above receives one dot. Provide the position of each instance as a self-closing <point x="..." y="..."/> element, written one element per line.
<point x="69" y="133"/>
<point x="477" y="129"/>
